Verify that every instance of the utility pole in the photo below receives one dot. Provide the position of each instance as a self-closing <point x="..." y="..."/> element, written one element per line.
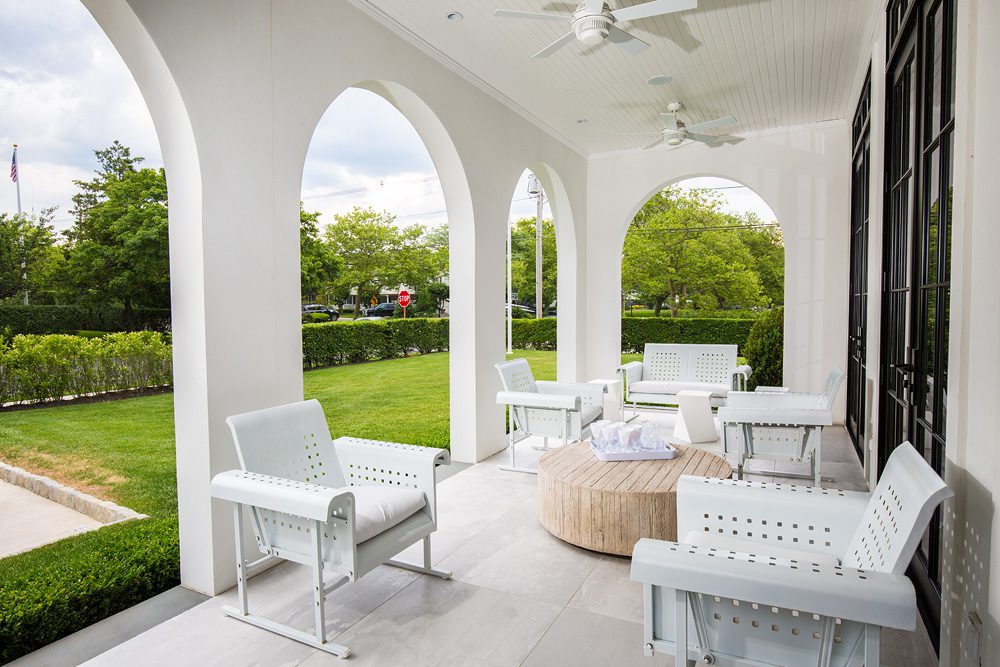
<point x="510" y="295"/>
<point x="535" y="189"/>
<point x="16" y="177"/>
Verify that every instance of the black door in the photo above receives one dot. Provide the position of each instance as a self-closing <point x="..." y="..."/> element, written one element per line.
<point x="857" y="328"/>
<point x="917" y="254"/>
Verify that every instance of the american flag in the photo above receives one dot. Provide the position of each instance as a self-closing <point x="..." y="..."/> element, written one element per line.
<point x="13" y="168"/>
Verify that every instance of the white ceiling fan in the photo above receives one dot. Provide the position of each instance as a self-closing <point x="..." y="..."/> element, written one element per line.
<point x="675" y="131"/>
<point x="594" y="21"/>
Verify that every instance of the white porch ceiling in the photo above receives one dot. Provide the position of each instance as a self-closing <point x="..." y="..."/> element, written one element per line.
<point x="769" y="63"/>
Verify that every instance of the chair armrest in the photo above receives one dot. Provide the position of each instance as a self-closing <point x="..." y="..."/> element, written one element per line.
<point x="762" y="389"/>
<point x="391" y="464"/>
<point x="775" y="416"/>
<point x="311" y="501"/>
<point x="745" y="370"/>
<point x="778" y="401"/>
<point x="788" y="515"/>
<point x="631" y="372"/>
<point x="833" y="591"/>
<point x="594" y="393"/>
<point x="530" y="399"/>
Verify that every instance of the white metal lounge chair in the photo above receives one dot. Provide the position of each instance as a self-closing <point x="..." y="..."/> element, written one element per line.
<point x="561" y="410"/>
<point x="341" y="507"/>
<point x="777" y="574"/>
<point x="777" y="425"/>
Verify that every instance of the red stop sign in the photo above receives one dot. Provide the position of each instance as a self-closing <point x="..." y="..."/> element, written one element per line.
<point x="403" y="299"/>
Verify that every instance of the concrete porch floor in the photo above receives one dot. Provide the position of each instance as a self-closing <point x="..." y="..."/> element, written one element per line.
<point x="519" y="596"/>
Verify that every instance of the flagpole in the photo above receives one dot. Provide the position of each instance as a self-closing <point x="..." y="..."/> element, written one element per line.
<point x="24" y="258"/>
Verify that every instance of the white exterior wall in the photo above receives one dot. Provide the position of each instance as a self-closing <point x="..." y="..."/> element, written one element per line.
<point x="803" y="174"/>
<point x="236" y="90"/>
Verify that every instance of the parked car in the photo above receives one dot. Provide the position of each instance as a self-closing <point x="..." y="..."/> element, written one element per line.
<point x="313" y="311"/>
<point x="381" y="310"/>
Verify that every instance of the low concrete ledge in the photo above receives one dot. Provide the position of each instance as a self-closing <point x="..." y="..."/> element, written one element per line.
<point x="104" y="511"/>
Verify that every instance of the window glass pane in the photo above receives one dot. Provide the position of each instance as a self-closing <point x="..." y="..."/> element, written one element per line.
<point x="932" y="208"/>
<point x="935" y="62"/>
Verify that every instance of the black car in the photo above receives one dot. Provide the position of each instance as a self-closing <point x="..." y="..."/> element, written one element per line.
<point x="310" y="310"/>
<point x="381" y="310"/>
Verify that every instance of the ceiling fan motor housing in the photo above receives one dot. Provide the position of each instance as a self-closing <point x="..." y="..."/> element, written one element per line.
<point x="592" y="28"/>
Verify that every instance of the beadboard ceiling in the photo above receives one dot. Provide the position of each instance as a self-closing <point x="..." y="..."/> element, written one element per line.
<point x="769" y="63"/>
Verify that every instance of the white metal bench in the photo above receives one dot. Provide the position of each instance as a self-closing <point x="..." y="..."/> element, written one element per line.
<point x="774" y="424"/>
<point x="341" y="507"/>
<point x="777" y="574"/>
<point x="667" y="369"/>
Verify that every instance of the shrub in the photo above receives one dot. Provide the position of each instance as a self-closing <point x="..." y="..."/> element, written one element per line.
<point x="52" y="591"/>
<point x="534" y="334"/>
<point x="764" y="349"/>
<point x="38" y="368"/>
<point x="68" y="319"/>
<point x="350" y="342"/>
<point x="639" y="331"/>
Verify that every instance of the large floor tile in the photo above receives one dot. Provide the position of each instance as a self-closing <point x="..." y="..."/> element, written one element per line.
<point x="610" y="592"/>
<point x="437" y="622"/>
<point x="518" y="556"/>
<point x="582" y="639"/>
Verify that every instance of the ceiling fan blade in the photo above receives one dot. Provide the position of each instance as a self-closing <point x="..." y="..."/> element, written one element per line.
<point x="556" y="45"/>
<point x="731" y="139"/>
<point x="627" y="42"/>
<point x="708" y="125"/>
<point x="655" y="8"/>
<point x="654" y="144"/>
<point x="669" y="120"/>
<point x="703" y="138"/>
<point x="541" y="16"/>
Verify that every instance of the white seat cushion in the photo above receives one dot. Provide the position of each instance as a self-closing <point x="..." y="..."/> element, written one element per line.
<point x="703" y="538"/>
<point x="379" y="508"/>
<point x="674" y="387"/>
<point x="589" y="414"/>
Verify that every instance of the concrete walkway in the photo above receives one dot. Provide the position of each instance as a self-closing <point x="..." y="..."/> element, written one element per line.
<point x="28" y="521"/>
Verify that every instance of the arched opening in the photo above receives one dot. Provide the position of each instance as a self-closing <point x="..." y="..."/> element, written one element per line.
<point x="703" y="246"/>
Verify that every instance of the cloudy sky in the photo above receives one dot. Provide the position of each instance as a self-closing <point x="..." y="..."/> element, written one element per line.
<point x="66" y="92"/>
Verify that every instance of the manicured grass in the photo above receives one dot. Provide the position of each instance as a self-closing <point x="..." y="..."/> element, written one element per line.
<point x="123" y="450"/>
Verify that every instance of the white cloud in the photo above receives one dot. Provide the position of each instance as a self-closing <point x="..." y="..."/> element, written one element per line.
<point x="66" y="93"/>
<point x="736" y="197"/>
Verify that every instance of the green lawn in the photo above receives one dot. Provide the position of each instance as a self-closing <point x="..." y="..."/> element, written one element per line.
<point x="123" y="451"/>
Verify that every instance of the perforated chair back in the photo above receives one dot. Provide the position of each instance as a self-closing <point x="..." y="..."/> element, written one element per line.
<point x="832" y="386"/>
<point x="291" y="442"/>
<point x="515" y="375"/>
<point x="713" y="364"/>
<point x="663" y="362"/>
<point x="897" y="513"/>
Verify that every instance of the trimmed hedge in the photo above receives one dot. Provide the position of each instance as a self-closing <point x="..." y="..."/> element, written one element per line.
<point x="54" y="590"/>
<point x="16" y="320"/>
<point x="342" y="342"/>
<point x="639" y="331"/>
<point x="39" y="368"/>
<point x="534" y="334"/>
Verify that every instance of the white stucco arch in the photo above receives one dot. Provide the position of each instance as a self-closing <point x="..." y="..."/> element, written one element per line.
<point x="797" y="172"/>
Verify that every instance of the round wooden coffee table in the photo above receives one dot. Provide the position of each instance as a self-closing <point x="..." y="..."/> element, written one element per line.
<point x="608" y="506"/>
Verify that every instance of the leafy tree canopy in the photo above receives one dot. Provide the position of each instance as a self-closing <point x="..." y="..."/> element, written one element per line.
<point x="522" y="241"/>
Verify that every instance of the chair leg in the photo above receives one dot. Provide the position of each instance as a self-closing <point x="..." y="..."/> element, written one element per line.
<point x="426" y="567"/>
<point x="872" y="645"/>
<point x="242" y="613"/>
<point x="681" y="629"/>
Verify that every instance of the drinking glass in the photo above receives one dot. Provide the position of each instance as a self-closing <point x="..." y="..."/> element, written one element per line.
<point x="650" y="438"/>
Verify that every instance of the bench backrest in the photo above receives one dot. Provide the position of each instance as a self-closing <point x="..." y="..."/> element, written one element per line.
<point x="832" y="386"/>
<point x="669" y="362"/>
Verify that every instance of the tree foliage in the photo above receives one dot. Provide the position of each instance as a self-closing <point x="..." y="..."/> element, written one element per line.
<point x="319" y="264"/>
<point x="683" y="251"/>
<point x="522" y="242"/>
<point x="31" y="238"/>
<point x="118" y="244"/>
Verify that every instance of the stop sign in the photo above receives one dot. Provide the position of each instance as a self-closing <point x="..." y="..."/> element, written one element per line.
<point x="403" y="299"/>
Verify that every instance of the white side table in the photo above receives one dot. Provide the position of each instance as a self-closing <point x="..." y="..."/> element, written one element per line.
<point x="694" y="418"/>
<point x="612" y="397"/>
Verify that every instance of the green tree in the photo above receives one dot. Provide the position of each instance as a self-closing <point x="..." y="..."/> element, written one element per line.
<point x="522" y="242"/>
<point x="369" y="245"/>
<point x="682" y="249"/>
<point x="119" y="247"/>
<point x="28" y="237"/>
<point x="319" y="264"/>
<point x="767" y="247"/>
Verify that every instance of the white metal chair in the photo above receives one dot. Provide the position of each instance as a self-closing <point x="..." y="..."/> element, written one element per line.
<point x="341" y="507"/>
<point x="561" y="410"/>
<point x="775" y="424"/>
<point x="777" y="574"/>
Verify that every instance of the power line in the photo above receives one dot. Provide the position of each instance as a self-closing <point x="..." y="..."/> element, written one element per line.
<point x="365" y="188"/>
<point x="644" y="230"/>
